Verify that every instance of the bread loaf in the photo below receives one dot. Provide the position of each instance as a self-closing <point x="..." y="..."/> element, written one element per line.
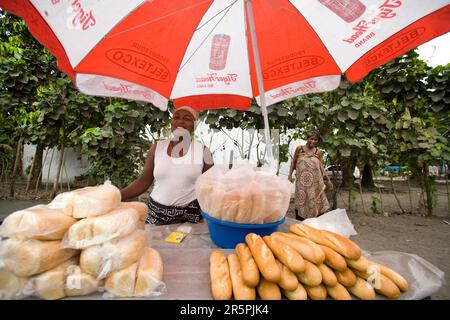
<point x="288" y="279"/>
<point x="263" y="257"/>
<point x="328" y="276"/>
<point x="230" y="206"/>
<point x="102" y="259"/>
<point x="95" y="230"/>
<point x="317" y="292"/>
<point x="12" y="286"/>
<point x="338" y="243"/>
<point x="221" y="287"/>
<point x="79" y="283"/>
<point x="150" y="274"/>
<point x="298" y="294"/>
<point x="250" y="271"/>
<point x="307" y="249"/>
<point x="333" y="259"/>
<point x="39" y="222"/>
<point x="362" y="290"/>
<point x="268" y="290"/>
<point x="49" y="285"/>
<point x="395" y="277"/>
<point x="140" y="207"/>
<point x="286" y="254"/>
<point x="240" y="290"/>
<point x="312" y="276"/>
<point x="204" y="191"/>
<point x="338" y="292"/>
<point x="88" y="201"/>
<point x="29" y="257"/>
<point x="244" y="210"/>
<point x="360" y="264"/>
<point x="346" y="278"/>
<point x="121" y="283"/>
<point x="382" y="284"/>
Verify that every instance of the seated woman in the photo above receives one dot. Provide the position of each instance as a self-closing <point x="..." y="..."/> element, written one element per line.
<point x="174" y="165"/>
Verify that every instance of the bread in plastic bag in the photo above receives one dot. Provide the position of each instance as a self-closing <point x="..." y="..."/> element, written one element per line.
<point x="95" y="230"/>
<point x="26" y="258"/>
<point x="39" y="222"/>
<point x="88" y="201"/>
<point x="243" y="195"/>
<point x="102" y="259"/>
<point x="12" y="286"/>
<point x="141" y="279"/>
<point x="140" y="207"/>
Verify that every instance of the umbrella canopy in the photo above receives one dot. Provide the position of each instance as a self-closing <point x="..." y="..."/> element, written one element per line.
<point x="201" y="53"/>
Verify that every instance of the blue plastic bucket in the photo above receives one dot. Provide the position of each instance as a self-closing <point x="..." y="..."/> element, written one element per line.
<point x="228" y="234"/>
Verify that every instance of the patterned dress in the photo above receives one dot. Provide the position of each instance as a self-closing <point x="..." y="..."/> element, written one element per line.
<point x="310" y="197"/>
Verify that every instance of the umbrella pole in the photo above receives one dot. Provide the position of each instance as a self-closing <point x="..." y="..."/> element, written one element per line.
<point x="259" y="78"/>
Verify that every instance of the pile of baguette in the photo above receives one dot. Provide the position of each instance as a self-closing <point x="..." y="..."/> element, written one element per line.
<point x="303" y="263"/>
<point x="243" y="195"/>
<point x="84" y="241"/>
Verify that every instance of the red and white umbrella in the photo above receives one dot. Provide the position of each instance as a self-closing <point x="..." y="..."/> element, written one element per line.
<point x="213" y="54"/>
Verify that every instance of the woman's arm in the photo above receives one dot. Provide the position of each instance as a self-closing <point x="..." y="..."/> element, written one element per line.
<point x="293" y="164"/>
<point x="322" y="169"/>
<point x="144" y="181"/>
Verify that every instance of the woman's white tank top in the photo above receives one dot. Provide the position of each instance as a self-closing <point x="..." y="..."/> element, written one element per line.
<point x="175" y="178"/>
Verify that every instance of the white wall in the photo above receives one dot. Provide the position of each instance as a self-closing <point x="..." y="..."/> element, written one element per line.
<point x="74" y="164"/>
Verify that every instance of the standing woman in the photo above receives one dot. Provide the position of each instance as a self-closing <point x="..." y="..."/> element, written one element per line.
<point x="310" y="198"/>
<point x="173" y="165"/>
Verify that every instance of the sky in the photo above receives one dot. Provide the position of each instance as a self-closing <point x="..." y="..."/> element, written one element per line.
<point x="437" y="51"/>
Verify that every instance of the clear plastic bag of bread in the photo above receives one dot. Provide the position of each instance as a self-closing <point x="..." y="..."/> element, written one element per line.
<point x="117" y="223"/>
<point x="89" y="201"/>
<point x="144" y="278"/>
<point x="101" y="260"/>
<point x="64" y="280"/>
<point x="38" y="222"/>
<point x="243" y="195"/>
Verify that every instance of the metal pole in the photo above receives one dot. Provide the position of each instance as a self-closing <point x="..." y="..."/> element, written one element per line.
<point x="259" y="77"/>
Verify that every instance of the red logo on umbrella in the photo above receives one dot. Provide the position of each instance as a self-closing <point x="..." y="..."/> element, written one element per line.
<point x="139" y="63"/>
<point x="219" y="52"/>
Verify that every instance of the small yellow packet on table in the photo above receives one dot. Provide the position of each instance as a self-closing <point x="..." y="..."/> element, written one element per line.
<point x="179" y="235"/>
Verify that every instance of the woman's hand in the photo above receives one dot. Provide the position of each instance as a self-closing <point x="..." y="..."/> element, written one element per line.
<point x="330" y="185"/>
<point x="290" y="178"/>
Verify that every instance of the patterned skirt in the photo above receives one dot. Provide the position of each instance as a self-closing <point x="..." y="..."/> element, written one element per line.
<point x="160" y="214"/>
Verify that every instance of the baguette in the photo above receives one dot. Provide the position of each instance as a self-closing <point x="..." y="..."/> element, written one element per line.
<point x="240" y="290"/>
<point x="346" y="278"/>
<point x="307" y="248"/>
<point x="268" y="290"/>
<point x="361" y="264"/>
<point x="338" y="243"/>
<point x="140" y="207"/>
<point x="221" y="287"/>
<point x="298" y="294"/>
<point x="328" y="276"/>
<point x="399" y="281"/>
<point x="288" y="279"/>
<point x="263" y="257"/>
<point x="250" y="271"/>
<point x="12" y="286"/>
<point x="362" y="290"/>
<point x="312" y="276"/>
<point x="333" y="259"/>
<point x="317" y="292"/>
<point x="382" y="284"/>
<point x="286" y="254"/>
<point x="338" y="292"/>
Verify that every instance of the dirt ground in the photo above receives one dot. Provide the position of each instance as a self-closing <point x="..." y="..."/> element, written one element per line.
<point x="427" y="237"/>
